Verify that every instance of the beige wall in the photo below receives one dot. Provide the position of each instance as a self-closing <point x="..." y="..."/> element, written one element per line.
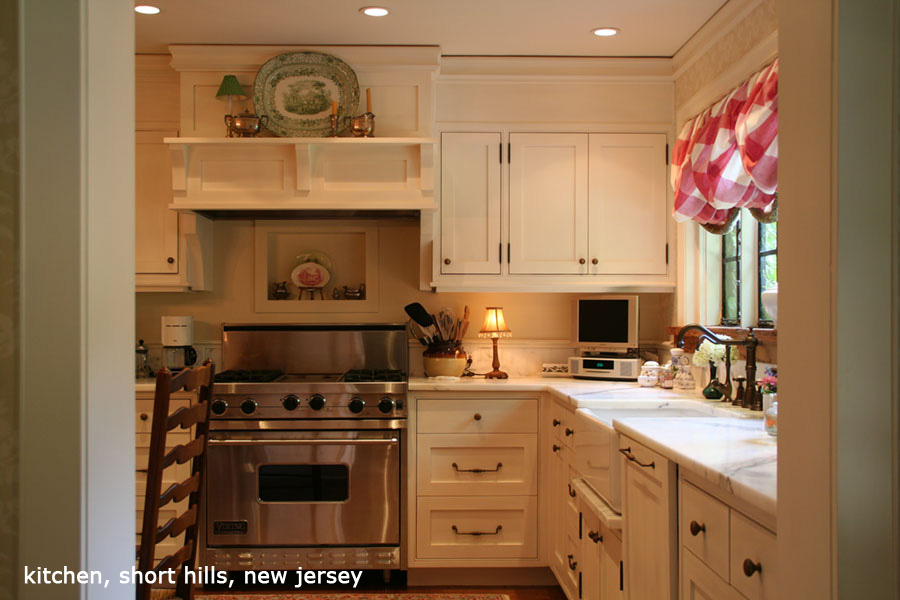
<point x="530" y="316"/>
<point x="9" y="289"/>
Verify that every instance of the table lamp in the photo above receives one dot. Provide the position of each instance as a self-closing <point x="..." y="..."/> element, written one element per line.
<point x="495" y="327"/>
<point x="230" y="87"/>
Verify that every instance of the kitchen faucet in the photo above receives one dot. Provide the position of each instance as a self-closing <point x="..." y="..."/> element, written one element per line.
<point x="750" y="342"/>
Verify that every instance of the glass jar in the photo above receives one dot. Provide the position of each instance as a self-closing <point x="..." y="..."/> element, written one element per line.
<point x="771" y="416"/>
<point x="445" y="359"/>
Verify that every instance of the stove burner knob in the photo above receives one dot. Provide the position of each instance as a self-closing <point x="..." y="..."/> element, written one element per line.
<point x="219" y="406"/>
<point x="357" y="405"/>
<point x="386" y="405"/>
<point x="248" y="406"/>
<point x="290" y="402"/>
<point x="317" y="402"/>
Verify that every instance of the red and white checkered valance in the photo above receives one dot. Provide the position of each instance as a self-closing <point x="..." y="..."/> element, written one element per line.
<point x="727" y="156"/>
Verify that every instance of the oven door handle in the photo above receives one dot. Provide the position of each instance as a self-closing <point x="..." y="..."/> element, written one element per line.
<point x="310" y="442"/>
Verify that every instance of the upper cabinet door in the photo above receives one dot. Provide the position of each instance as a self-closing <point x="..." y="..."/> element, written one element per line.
<point x="628" y="216"/>
<point x="470" y="203"/>
<point x="548" y="203"/>
<point x="156" y="225"/>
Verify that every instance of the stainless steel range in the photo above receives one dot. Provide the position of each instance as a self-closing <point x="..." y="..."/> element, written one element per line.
<point x="305" y="459"/>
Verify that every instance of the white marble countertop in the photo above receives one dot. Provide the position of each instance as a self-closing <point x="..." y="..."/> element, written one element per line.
<point x="734" y="454"/>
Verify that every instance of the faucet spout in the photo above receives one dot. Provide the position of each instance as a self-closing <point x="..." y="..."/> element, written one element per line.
<point x="750" y="343"/>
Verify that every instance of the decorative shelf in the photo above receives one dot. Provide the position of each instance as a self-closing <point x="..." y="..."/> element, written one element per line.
<point x="284" y="174"/>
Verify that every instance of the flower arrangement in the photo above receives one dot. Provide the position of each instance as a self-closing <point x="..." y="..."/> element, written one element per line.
<point x="768" y="384"/>
<point x="713" y="353"/>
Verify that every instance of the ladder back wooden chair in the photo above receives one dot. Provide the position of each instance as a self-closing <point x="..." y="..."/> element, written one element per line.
<point x="196" y="416"/>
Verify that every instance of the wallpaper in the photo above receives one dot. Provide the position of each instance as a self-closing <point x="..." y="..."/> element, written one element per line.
<point x="755" y="27"/>
<point x="9" y="254"/>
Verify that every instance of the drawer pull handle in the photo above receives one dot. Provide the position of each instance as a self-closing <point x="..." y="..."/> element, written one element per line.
<point x="573" y="564"/>
<point x="595" y="536"/>
<point x="696" y="528"/>
<point x="556" y="422"/>
<point x="569" y="432"/>
<point x="141" y="470"/>
<point x="556" y="448"/>
<point x="477" y="416"/>
<point x="627" y="453"/>
<point x="751" y="567"/>
<point x="572" y="492"/>
<point x="144" y="416"/>
<point x="458" y="470"/>
<point x="476" y="533"/>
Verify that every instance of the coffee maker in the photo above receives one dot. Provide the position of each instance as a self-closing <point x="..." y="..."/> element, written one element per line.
<point x="177" y="337"/>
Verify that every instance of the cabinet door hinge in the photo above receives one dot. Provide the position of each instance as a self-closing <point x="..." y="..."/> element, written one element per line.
<point x="580" y="523"/>
<point x="500" y="257"/>
<point x="508" y="152"/>
<point x="667" y="153"/>
<point x="501" y="152"/>
<point x="621" y="577"/>
<point x="508" y="253"/>
<point x="579" y="584"/>
<point x="667" y="254"/>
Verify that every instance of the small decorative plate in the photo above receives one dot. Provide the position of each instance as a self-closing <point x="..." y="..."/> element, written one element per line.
<point x="310" y="275"/>
<point x="314" y="256"/>
<point x="295" y="91"/>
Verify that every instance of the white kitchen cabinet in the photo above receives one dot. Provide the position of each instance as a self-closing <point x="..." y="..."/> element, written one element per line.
<point x="548" y="203"/>
<point x="470" y="203"/>
<point x="627" y="204"/>
<point x="156" y="226"/>
<point x="699" y="582"/>
<point x="475" y="487"/>
<point x="649" y="523"/>
<point x="600" y="566"/>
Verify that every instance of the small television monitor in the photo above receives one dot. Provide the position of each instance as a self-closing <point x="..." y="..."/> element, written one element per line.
<point x="606" y="323"/>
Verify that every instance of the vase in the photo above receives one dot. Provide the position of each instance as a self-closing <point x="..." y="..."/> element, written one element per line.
<point x="444" y="360"/>
<point x="710" y="392"/>
<point x="771" y="416"/>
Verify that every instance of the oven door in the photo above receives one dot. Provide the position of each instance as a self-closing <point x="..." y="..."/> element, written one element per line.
<point x="303" y="488"/>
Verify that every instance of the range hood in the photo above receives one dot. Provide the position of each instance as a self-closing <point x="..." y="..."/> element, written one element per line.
<point x="305" y="177"/>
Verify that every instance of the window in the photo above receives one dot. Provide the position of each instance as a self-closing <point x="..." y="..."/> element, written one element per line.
<point x="731" y="275"/>
<point x="768" y="267"/>
<point x="744" y="279"/>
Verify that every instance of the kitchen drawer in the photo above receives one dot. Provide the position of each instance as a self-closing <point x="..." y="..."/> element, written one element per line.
<point x="177" y="437"/>
<point x="563" y="424"/>
<point x="482" y="415"/>
<point x="572" y="515"/>
<point x="174" y="474"/>
<point x="143" y="416"/>
<point x="750" y="542"/>
<point x="508" y="462"/>
<point x="648" y="463"/>
<point x="698" y="582"/>
<point x="571" y="567"/>
<point x="507" y="524"/>
<point x="704" y="528"/>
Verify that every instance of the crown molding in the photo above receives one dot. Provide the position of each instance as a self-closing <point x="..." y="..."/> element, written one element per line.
<point x="556" y="67"/>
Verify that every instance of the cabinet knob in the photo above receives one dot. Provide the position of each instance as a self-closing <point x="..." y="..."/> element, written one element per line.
<point x="144" y="416"/>
<point x="556" y="448"/>
<point x="556" y="422"/>
<point x="446" y="261"/>
<point x="594" y="261"/>
<point x="170" y="260"/>
<point x="573" y="564"/>
<point x="696" y="528"/>
<point x="581" y="261"/>
<point x="751" y="567"/>
<point x="572" y="492"/>
<point x="569" y="432"/>
<point x="477" y="416"/>
<point x="595" y="536"/>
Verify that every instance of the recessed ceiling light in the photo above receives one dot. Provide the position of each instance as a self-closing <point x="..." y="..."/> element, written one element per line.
<point x="374" y="11"/>
<point x="605" y="31"/>
<point x="146" y="9"/>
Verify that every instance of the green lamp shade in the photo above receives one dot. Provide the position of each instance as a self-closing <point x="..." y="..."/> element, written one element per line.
<point x="230" y="87"/>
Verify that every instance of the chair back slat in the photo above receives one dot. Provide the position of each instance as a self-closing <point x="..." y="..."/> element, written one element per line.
<point x="182" y="453"/>
<point x="176" y="526"/>
<point x="176" y="559"/>
<point x="179" y="491"/>
<point x="190" y="379"/>
<point x="187" y="417"/>
<point x="196" y="417"/>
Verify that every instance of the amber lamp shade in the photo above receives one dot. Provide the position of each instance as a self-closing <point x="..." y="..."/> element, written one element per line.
<point x="495" y="327"/>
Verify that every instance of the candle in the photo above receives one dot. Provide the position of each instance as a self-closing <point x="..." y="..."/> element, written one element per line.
<point x="369" y="100"/>
<point x="333" y="107"/>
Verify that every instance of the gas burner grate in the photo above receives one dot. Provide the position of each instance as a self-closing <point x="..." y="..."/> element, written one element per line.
<point x="364" y="375"/>
<point x="247" y="376"/>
